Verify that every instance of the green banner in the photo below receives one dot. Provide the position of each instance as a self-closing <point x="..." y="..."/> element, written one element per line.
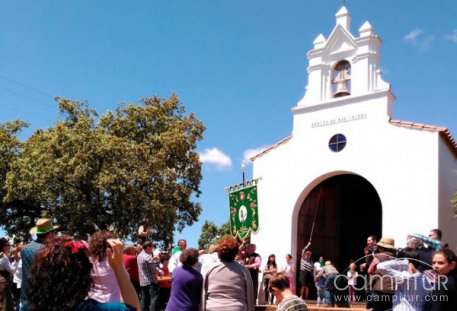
<point x="244" y="215"/>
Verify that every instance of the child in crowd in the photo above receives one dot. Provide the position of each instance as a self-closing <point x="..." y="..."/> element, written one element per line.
<point x="352" y="281"/>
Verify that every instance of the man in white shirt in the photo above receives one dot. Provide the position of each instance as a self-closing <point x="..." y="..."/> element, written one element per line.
<point x="174" y="260"/>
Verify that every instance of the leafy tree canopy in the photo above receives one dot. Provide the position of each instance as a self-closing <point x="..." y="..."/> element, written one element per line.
<point x="93" y="172"/>
<point x="210" y="233"/>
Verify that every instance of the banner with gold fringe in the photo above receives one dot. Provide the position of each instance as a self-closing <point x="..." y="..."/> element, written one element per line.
<point x="244" y="216"/>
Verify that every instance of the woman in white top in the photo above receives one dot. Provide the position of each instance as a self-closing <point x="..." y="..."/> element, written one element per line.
<point x="17" y="276"/>
<point x="289" y="270"/>
<point x="105" y="287"/>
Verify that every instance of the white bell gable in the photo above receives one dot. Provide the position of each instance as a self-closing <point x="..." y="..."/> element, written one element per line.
<point x="361" y="52"/>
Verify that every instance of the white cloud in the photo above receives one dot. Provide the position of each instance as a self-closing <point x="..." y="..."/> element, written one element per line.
<point x="452" y="37"/>
<point x="417" y="39"/>
<point x="249" y="153"/>
<point x="216" y="157"/>
<point x="427" y="43"/>
<point x="412" y="35"/>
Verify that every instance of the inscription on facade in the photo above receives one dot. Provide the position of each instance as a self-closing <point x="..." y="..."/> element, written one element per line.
<point x="338" y="120"/>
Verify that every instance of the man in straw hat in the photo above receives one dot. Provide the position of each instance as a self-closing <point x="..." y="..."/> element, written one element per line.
<point x="44" y="231"/>
<point x="382" y="287"/>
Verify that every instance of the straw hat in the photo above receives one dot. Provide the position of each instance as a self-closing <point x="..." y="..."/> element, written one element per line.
<point x="387" y="243"/>
<point x="43" y="225"/>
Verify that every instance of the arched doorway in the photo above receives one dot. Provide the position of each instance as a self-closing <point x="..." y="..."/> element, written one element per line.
<point x="345" y="209"/>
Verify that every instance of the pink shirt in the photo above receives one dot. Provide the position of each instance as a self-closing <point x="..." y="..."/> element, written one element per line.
<point x="105" y="287"/>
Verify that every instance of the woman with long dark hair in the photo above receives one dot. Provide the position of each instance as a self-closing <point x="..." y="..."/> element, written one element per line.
<point x="105" y="287"/>
<point x="60" y="278"/>
<point x="268" y="271"/>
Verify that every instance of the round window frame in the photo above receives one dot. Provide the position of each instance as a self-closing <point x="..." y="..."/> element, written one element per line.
<point x="337" y="142"/>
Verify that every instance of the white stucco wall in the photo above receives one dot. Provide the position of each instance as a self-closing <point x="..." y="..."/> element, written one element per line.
<point x="447" y="187"/>
<point x="400" y="163"/>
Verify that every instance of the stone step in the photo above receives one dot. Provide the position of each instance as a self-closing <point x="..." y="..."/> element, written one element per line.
<point x="313" y="307"/>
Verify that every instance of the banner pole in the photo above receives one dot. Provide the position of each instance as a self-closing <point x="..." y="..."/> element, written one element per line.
<point x="248" y="240"/>
<point x="243" y="165"/>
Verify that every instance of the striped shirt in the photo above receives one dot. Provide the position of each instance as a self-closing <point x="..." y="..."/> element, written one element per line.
<point x="411" y="288"/>
<point x="306" y="265"/>
<point x="292" y="303"/>
<point x="146" y="268"/>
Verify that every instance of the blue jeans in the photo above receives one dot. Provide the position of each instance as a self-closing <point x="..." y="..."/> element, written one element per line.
<point x="149" y="297"/>
<point x="329" y="289"/>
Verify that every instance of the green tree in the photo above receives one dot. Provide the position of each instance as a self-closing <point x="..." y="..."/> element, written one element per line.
<point x="224" y="229"/>
<point x="109" y="172"/>
<point x="10" y="147"/>
<point x="210" y="233"/>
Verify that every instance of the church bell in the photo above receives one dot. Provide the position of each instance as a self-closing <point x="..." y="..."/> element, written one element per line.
<point x="341" y="80"/>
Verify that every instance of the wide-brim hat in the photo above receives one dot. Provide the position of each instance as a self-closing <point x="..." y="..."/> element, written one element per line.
<point x="387" y="243"/>
<point x="43" y="225"/>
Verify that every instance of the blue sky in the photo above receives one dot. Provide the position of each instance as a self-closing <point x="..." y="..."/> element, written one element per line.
<point x="239" y="65"/>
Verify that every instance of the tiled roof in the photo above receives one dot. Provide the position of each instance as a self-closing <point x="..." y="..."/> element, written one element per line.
<point x="443" y="131"/>
<point x="265" y="151"/>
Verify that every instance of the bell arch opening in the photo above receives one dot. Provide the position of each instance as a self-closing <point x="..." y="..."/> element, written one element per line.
<point x="345" y="210"/>
<point x="341" y="79"/>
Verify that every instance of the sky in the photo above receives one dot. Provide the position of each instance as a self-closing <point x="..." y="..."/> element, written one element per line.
<point x="239" y="66"/>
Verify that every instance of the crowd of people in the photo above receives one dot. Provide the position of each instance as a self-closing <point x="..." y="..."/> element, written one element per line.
<point x="57" y="272"/>
<point x="419" y="277"/>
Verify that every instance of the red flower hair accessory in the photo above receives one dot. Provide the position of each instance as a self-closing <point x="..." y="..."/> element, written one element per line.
<point x="75" y="246"/>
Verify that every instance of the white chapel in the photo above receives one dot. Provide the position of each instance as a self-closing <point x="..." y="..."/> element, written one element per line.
<point x="349" y="169"/>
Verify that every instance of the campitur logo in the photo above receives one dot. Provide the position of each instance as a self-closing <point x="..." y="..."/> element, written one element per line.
<point x="391" y="275"/>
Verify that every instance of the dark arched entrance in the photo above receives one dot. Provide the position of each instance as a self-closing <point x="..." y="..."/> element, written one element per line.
<point x="346" y="209"/>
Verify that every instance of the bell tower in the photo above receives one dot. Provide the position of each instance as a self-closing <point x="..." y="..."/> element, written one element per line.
<point x="344" y="70"/>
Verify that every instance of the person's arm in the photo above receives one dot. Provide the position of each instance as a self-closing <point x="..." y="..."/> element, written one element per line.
<point x="256" y="264"/>
<point x="393" y="267"/>
<point x="142" y="232"/>
<point x="114" y="254"/>
<point x="305" y="248"/>
<point x="268" y="270"/>
<point x="374" y="263"/>
<point x="6" y="264"/>
<point x="292" y="268"/>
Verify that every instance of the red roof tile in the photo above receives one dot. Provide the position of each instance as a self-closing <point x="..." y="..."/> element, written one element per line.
<point x="282" y="142"/>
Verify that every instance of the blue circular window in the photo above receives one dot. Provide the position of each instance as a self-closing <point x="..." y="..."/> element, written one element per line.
<point x="337" y="142"/>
